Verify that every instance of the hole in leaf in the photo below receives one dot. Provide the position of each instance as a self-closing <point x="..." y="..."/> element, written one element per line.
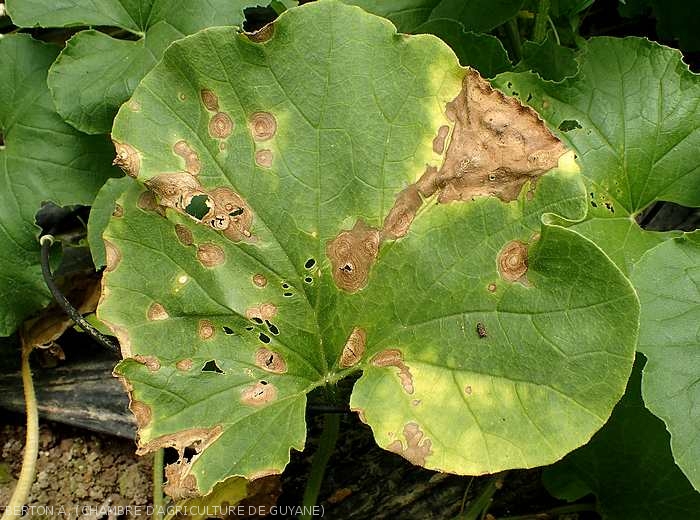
<point x="272" y="328"/>
<point x="310" y="263"/>
<point x="228" y="330"/>
<point x="257" y="17"/>
<point x="569" y="124"/>
<point x="211" y="366"/>
<point x="264" y="338"/>
<point x="263" y="382"/>
<point x="188" y="453"/>
<point x="198" y="206"/>
<point x="2" y="140"/>
<point x="285" y="285"/>
<point x="249" y="328"/>
<point x="287" y="294"/>
<point x="347" y="268"/>
<point x="308" y="279"/>
<point x="529" y="98"/>
<point x="257" y="320"/>
<point x="236" y="212"/>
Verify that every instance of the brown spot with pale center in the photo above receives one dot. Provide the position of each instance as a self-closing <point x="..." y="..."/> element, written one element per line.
<point x="220" y="125"/>
<point x="492" y="287"/>
<point x="147" y="201"/>
<point x="184" y="235"/>
<point x="151" y="362"/>
<point x="401" y="215"/>
<point x="209" y="99"/>
<point x="497" y="145"/>
<point x="394" y="358"/>
<point x="142" y="413"/>
<point x="354" y="348"/>
<point x="263" y="126"/>
<point x="259" y="280"/>
<point x="439" y="141"/>
<point x="192" y="163"/>
<point x="210" y="255"/>
<point x="205" y="329"/>
<point x="112" y="256"/>
<point x="180" y="485"/>
<point x="229" y="214"/>
<point x="264" y="311"/>
<point x="418" y="447"/>
<point x="352" y="254"/>
<point x="468" y="390"/>
<point x="127" y="158"/>
<point x="270" y="361"/>
<point x="512" y="261"/>
<point x="263" y="34"/>
<point x="175" y="190"/>
<point x="259" y="394"/>
<point x="263" y="158"/>
<point x="118" y="211"/>
<point x="184" y="365"/>
<point x="157" y="312"/>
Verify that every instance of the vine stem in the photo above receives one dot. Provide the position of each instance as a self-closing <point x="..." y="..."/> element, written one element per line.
<point x="554" y="512"/>
<point x="31" y="448"/>
<point x="329" y="436"/>
<point x="541" y="20"/>
<point x="513" y="32"/>
<point x="482" y="503"/>
<point x="158" y="484"/>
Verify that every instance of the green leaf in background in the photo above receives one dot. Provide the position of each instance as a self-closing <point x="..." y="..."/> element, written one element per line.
<point x="104" y="206"/>
<point x="341" y="199"/>
<point x="675" y="19"/>
<point x="628" y="466"/>
<point x="459" y="23"/>
<point x="41" y="159"/>
<point x="96" y="73"/>
<point x="667" y="279"/>
<point x="548" y="59"/>
<point x="631" y="115"/>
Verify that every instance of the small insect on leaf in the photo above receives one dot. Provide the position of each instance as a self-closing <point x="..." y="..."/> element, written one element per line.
<point x="481" y="330"/>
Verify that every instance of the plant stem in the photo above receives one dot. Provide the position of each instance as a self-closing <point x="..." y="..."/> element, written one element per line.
<point x="158" y="484"/>
<point x="554" y="512"/>
<point x="31" y="448"/>
<point x="483" y="501"/>
<point x="329" y="436"/>
<point x="514" y="36"/>
<point x="541" y="19"/>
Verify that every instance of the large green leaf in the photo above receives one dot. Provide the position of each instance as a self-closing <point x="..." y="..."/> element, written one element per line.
<point x="340" y="199"/>
<point x="668" y="281"/>
<point x="628" y="466"/>
<point x="96" y="73"/>
<point x="630" y="114"/>
<point x="458" y="23"/>
<point x="41" y="159"/>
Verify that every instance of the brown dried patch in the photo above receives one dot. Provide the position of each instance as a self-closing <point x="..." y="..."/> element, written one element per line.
<point x="127" y="159"/>
<point x="264" y="311"/>
<point x="468" y="390"/>
<point x="175" y="190"/>
<point x="151" y="362"/>
<point x="439" y="141"/>
<point x="401" y="215"/>
<point x="354" y="348"/>
<point x="512" y="261"/>
<point x="263" y="158"/>
<point x="259" y="280"/>
<point x="220" y="125"/>
<point x="263" y="34"/>
<point x="184" y="235"/>
<point x="259" y="394"/>
<point x="210" y="255"/>
<point x="112" y="256"/>
<point x="394" y="358"/>
<point x="270" y="361"/>
<point x="497" y="145"/>
<point x="492" y="287"/>
<point x="122" y="335"/>
<point x="418" y="447"/>
<point x="339" y="495"/>
<point x="263" y="126"/>
<point x="209" y="99"/>
<point x="192" y="163"/>
<point x="196" y="438"/>
<point x="229" y="214"/>
<point x="147" y="201"/>
<point x="352" y="254"/>
<point x="180" y="484"/>
<point x="184" y="365"/>
<point x="142" y="413"/>
<point x="157" y="312"/>
<point x="118" y="211"/>
<point x="205" y="329"/>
